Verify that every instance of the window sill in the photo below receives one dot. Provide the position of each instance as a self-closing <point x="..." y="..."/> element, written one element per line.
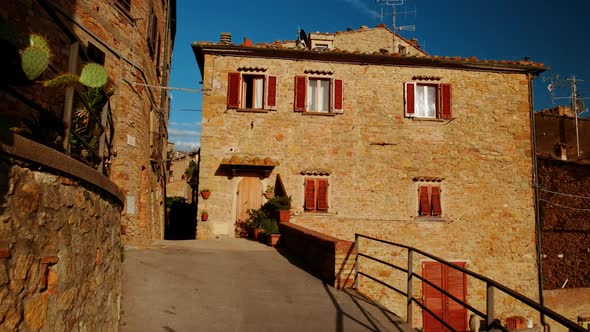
<point x="251" y="110"/>
<point x="432" y="219"/>
<point x="318" y="213"/>
<point x="319" y="113"/>
<point x="429" y="119"/>
<point x="126" y="12"/>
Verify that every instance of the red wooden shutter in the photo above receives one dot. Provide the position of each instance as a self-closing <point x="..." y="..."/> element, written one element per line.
<point x="410" y="92"/>
<point x="435" y="199"/>
<point x="309" y="194"/>
<point x="432" y="298"/>
<point x="338" y="97"/>
<point x="424" y="201"/>
<point x="322" y="195"/>
<point x="446" y="101"/>
<point x="300" y="97"/>
<point x="271" y="92"/>
<point x="233" y="90"/>
<point x="456" y="281"/>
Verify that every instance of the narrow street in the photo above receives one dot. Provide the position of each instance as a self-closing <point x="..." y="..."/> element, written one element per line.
<point x="234" y="285"/>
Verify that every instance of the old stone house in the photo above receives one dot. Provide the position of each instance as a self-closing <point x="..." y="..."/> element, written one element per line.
<point x="134" y="41"/>
<point x="564" y="205"/>
<point x="369" y="134"/>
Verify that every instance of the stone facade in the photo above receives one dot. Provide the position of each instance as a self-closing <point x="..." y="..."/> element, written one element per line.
<point x="60" y="254"/>
<point x="134" y="59"/>
<point x="177" y="182"/>
<point x="375" y="158"/>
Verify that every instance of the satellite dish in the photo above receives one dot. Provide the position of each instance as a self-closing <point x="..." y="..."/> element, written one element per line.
<point x="580" y="107"/>
<point x="303" y="37"/>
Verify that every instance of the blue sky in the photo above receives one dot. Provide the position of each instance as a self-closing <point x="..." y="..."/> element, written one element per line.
<point x="552" y="32"/>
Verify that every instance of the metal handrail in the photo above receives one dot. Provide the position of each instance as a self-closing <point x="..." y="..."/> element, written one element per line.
<point x="490" y="285"/>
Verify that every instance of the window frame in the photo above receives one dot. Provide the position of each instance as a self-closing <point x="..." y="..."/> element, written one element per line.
<point x="443" y="99"/>
<point x="244" y="90"/>
<point x="317" y="208"/>
<point x="434" y="210"/>
<point x="236" y="92"/>
<point x="302" y="93"/>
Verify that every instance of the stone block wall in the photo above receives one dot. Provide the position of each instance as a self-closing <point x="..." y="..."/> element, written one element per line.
<point x="60" y="254"/>
<point x="367" y="40"/>
<point x="331" y="259"/>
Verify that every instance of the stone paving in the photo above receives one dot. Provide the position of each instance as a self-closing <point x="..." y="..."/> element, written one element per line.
<point x="235" y="285"/>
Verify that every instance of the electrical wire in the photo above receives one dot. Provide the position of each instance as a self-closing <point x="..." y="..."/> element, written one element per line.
<point x="564" y="206"/>
<point x="564" y="194"/>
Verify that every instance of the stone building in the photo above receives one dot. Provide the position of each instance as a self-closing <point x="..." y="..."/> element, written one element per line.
<point x="564" y="203"/>
<point x="134" y="41"/>
<point x="178" y="162"/>
<point x="432" y="152"/>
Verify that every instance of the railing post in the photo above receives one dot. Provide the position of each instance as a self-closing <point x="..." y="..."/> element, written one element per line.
<point x="410" y="296"/>
<point x="489" y="306"/>
<point x="356" y="261"/>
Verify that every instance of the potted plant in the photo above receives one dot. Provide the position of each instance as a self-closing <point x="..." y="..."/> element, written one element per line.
<point x="205" y="193"/>
<point x="271" y="229"/>
<point x="255" y="219"/>
<point x="270" y="192"/>
<point x="204" y="215"/>
<point x="281" y="207"/>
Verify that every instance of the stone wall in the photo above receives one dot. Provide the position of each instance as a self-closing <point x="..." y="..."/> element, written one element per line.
<point x="122" y="36"/>
<point x="60" y="254"/>
<point x="566" y="231"/>
<point x="373" y="155"/>
<point x="367" y="40"/>
<point x="331" y="259"/>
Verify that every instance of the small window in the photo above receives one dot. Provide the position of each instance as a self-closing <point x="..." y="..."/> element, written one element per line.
<point x="95" y="54"/>
<point x="429" y="201"/>
<point x="321" y="47"/>
<point x="124" y="4"/>
<point x="318" y="95"/>
<point x="402" y="50"/>
<point x="255" y="92"/>
<point x="428" y="100"/>
<point x="316" y="195"/>
<point x="152" y="33"/>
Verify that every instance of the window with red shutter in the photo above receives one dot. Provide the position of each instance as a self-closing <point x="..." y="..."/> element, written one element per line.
<point x="424" y="201"/>
<point x="309" y="195"/>
<point x="427" y="100"/>
<point x="300" y="90"/>
<point x="445" y="308"/>
<point x="429" y="200"/>
<point x="318" y="95"/>
<point x="322" y="195"/>
<point x="233" y="90"/>
<point x="316" y="195"/>
<point x="251" y="92"/>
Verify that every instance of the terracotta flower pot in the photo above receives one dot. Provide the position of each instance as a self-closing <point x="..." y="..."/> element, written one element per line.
<point x="273" y="239"/>
<point x="204" y="216"/>
<point x="284" y="215"/>
<point x="257" y="234"/>
<point x="205" y="194"/>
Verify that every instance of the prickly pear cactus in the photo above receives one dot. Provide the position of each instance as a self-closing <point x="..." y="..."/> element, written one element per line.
<point x="39" y="42"/>
<point x="61" y="80"/>
<point x="93" y="75"/>
<point x="34" y="62"/>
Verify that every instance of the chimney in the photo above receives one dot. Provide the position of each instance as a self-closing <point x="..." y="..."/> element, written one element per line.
<point x="225" y="38"/>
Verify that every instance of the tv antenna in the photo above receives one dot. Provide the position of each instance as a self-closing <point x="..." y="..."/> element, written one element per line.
<point x="576" y="102"/>
<point x="394" y="4"/>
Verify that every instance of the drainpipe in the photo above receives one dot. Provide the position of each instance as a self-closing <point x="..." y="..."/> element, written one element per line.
<point x="536" y="200"/>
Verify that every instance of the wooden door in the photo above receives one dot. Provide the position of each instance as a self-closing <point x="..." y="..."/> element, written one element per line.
<point x="249" y="196"/>
<point x="451" y="312"/>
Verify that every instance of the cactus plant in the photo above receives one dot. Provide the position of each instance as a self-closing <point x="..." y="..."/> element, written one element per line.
<point x="93" y="75"/>
<point x="34" y="62"/>
<point x="39" y="42"/>
<point x="61" y="80"/>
